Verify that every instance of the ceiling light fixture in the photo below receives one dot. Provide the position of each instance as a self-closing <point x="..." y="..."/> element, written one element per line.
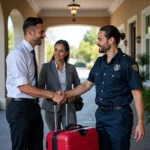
<point x="73" y="7"/>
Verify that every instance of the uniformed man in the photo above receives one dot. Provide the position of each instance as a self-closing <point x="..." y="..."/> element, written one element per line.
<point x="117" y="82"/>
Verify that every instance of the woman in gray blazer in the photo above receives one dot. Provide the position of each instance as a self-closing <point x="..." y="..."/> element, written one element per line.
<point x="58" y="75"/>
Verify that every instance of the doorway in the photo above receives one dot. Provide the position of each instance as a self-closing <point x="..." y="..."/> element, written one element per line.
<point x="133" y="39"/>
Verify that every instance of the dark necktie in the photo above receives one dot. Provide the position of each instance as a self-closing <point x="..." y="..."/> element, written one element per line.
<point x="35" y="66"/>
<point x="36" y="72"/>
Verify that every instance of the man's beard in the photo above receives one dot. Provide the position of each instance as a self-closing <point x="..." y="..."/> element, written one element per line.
<point x="38" y="42"/>
<point x="104" y="49"/>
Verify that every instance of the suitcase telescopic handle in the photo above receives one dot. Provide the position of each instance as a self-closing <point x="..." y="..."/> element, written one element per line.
<point x="55" y="114"/>
<point x="67" y="113"/>
<point x="72" y="126"/>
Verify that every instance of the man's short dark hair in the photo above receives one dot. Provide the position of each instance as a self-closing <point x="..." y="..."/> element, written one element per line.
<point x="31" y="21"/>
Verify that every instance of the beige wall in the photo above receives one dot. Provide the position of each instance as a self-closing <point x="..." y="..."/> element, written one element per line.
<point x="128" y="9"/>
<point x="23" y="7"/>
<point x="92" y="21"/>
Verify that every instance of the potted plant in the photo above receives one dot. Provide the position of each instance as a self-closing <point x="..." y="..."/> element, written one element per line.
<point x="146" y="98"/>
<point x="143" y="60"/>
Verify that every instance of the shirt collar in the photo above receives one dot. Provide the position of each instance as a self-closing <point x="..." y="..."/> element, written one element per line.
<point x="115" y="58"/>
<point x="27" y="45"/>
<point x="63" y="67"/>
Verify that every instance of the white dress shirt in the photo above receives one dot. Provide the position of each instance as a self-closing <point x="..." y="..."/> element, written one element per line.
<point x="62" y="77"/>
<point x="20" y="70"/>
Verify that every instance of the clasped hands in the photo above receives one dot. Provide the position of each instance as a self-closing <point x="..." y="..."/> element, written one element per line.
<point x="59" y="97"/>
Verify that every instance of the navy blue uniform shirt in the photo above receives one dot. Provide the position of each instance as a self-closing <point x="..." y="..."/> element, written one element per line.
<point x="115" y="81"/>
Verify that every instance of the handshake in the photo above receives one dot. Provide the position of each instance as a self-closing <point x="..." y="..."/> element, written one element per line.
<point x="60" y="97"/>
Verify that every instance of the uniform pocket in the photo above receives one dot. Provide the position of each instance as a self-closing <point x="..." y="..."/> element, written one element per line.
<point x="12" y="112"/>
<point x="113" y="79"/>
<point x="97" y="78"/>
<point x="126" y="115"/>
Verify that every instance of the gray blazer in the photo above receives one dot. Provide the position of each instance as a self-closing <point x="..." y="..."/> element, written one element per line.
<point x="49" y="80"/>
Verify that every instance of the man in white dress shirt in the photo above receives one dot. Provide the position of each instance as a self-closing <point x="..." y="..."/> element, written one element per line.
<point x="23" y="111"/>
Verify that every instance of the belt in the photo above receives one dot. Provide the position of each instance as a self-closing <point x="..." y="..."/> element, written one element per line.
<point x="113" y="108"/>
<point x="26" y="100"/>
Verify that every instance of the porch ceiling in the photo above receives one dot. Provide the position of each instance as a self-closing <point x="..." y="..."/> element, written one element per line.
<point x="87" y="7"/>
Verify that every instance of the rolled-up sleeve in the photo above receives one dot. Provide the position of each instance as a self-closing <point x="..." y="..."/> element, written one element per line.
<point x="17" y="68"/>
<point x="21" y="81"/>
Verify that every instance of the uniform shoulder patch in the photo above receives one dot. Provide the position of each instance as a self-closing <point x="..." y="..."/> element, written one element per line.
<point x="135" y="67"/>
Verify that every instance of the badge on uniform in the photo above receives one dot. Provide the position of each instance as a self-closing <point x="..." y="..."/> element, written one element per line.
<point x="117" y="67"/>
<point x="135" y="67"/>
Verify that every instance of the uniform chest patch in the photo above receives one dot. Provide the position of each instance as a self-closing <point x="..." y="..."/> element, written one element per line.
<point x="116" y="67"/>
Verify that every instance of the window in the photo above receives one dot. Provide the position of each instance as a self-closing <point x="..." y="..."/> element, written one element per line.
<point x="147" y="23"/>
<point x="147" y="40"/>
<point x="121" y="44"/>
<point x="147" y="52"/>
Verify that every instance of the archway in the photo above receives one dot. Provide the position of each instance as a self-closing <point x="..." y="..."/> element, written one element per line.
<point x="74" y="34"/>
<point x="17" y="21"/>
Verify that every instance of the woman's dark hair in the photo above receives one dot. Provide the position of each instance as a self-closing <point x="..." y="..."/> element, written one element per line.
<point x="112" y="31"/>
<point x="30" y="22"/>
<point x="67" y="48"/>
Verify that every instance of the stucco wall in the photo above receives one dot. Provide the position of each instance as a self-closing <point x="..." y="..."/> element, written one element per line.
<point x="92" y="21"/>
<point x="20" y="5"/>
<point x="128" y="9"/>
<point x="7" y="6"/>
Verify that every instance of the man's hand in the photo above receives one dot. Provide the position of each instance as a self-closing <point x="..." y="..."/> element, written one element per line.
<point x="59" y="97"/>
<point x="71" y="99"/>
<point x="139" y="132"/>
<point x="60" y="92"/>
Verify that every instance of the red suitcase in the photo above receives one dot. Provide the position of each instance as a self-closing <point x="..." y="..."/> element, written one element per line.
<point x="73" y="137"/>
